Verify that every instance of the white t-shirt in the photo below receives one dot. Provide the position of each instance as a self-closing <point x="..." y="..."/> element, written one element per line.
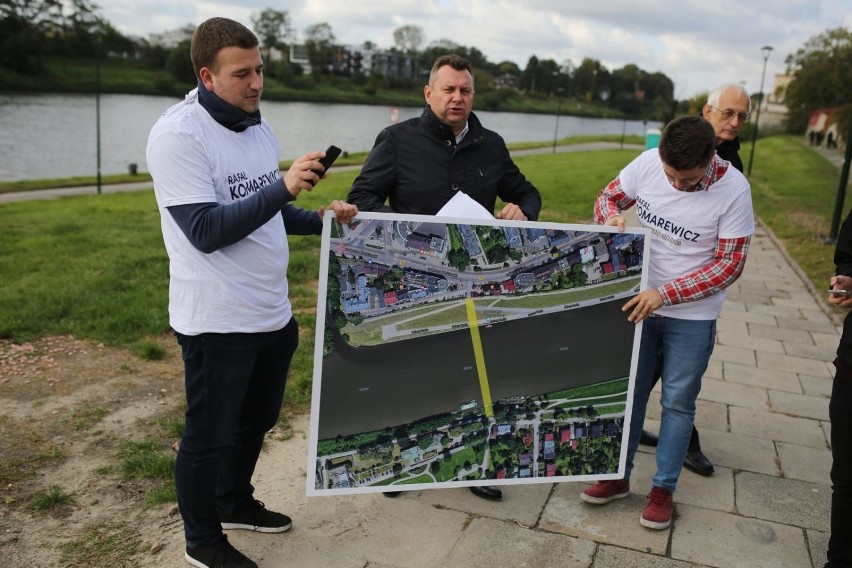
<point x="685" y="226"/>
<point x="241" y="288"/>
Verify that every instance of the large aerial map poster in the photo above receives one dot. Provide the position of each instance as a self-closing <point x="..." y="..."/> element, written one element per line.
<point x="456" y="352"/>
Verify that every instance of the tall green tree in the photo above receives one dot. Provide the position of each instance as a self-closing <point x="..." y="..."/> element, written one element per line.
<point x="273" y="28"/>
<point x="319" y="44"/>
<point x="823" y="77"/>
<point x="408" y="38"/>
<point x="23" y="26"/>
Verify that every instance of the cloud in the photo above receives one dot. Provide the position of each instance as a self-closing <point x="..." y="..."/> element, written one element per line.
<point x="698" y="44"/>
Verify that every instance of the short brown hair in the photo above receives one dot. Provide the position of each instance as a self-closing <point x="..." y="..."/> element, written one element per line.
<point x="688" y="142"/>
<point x="457" y="62"/>
<point x="215" y="34"/>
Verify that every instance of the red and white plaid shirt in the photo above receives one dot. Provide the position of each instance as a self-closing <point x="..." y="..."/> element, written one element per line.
<point x="728" y="259"/>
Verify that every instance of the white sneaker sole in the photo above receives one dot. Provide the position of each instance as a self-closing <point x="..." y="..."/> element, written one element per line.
<point x="602" y="500"/>
<point x="253" y="528"/>
<point x="654" y="525"/>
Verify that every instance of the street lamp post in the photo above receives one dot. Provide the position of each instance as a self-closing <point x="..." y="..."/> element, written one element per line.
<point x="556" y="130"/>
<point x="559" y="91"/>
<point x="766" y="50"/>
<point x="98" y="110"/>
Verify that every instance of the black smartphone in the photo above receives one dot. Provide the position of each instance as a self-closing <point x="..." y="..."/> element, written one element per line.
<point x="331" y="154"/>
<point x="846" y="293"/>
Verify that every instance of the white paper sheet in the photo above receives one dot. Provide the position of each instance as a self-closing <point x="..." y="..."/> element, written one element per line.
<point x="464" y="207"/>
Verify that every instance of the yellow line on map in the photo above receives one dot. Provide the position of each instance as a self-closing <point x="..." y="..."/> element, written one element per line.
<point x="479" y="356"/>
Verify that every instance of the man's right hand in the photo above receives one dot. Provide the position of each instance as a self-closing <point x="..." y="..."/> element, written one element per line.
<point x="616" y="221"/>
<point x="302" y="173"/>
<point x="840" y="282"/>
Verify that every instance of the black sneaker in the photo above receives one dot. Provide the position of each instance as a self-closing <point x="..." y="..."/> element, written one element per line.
<point x="219" y="554"/>
<point x="254" y="516"/>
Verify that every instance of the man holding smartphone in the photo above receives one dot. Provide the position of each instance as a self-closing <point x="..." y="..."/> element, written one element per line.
<point x="417" y="166"/>
<point x="840" y="409"/>
<point x="226" y="215"/>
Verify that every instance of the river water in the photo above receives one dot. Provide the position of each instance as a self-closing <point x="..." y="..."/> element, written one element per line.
<point x="54" y="136"/>
<point x="370" y="388"/>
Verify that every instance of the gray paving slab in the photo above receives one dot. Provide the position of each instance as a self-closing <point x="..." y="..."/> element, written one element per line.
<point x="790" y="363"/>
<point x="741" y="355"/>
<point x="778" y="427"/>
<point x="818" y="544"/>
<point x="779" y="333"/>
<point x="740" y="313"/>
<point x="613" y="556"/>
<point x="488" y="542"/>
<point x="762" y="378"/>
<point x="799" y="404"/>
<point x="816" y="386"/>
<point x="825" y="339"/>
<point x="716" y="491"/>
<point x="730" y="326"/>
<point x="777" y="311"/>
<point x="733" y="394"/>
<point x="740" y="452"/>
<point x="824" y="326"/>
<point x="787" y="501"/>
<point x="714" y="538"/>
<point x="804" y="462"/>
<point x="818" y="352"/>
<point x="743" y="339"/>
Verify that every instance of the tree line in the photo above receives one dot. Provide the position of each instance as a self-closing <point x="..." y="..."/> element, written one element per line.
<point x="33" y="31"/>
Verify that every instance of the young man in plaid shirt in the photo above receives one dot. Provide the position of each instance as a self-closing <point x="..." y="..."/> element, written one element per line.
<point x="698" y="209"/>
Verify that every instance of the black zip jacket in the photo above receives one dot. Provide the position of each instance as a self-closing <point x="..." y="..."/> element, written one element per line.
<point x="843" y="262"/>
<point x="728" y="150"/>
<point x="417" y="167"/>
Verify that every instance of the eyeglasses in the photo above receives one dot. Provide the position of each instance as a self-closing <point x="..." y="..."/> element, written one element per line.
<point x="728" y="114"/>
<point x="686" y="184"/>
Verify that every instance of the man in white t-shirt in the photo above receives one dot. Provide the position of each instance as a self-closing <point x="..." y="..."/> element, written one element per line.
<point x="698" y="209"/>
<point x="225" y="214"/>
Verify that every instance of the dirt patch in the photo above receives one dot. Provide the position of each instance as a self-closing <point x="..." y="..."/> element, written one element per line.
<point x="66" y="406"/>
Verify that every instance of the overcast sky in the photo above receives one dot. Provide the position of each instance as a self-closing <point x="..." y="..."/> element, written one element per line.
<point x="699" y="44"/>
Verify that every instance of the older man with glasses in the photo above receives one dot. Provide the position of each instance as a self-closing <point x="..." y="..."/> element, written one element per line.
<point x="727" y="109"/>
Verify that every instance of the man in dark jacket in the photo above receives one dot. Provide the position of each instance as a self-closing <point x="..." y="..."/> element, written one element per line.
<point x="417" y="166"/>
<point x="840" y="410"/>
<point x="727" y="109"/>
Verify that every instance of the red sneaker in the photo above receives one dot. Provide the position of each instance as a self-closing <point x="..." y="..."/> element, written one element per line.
<point x="605" y="491"/>
<point x="657" y="514"/>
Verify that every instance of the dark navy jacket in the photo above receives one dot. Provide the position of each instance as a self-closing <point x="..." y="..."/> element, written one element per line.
<point x="416" y="167"/>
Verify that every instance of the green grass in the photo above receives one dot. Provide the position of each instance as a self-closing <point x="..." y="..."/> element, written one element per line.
<point x="87" y="417"/>
<point x="794" y="191"/>
<point x="147" y="461"/>
<point x="112" y="544"/>
<point x="49" y="500"/>
<point x="150" y="351"/>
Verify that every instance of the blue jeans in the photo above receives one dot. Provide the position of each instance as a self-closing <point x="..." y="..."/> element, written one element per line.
<point x="686" y="346"/>
<point x="234" y="390"/>
<point x="840" y="412"/>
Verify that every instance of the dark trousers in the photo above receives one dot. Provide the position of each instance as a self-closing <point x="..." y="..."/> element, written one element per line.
<point x="234" y="390"/>
<point x="694" y="441"/>
<point x="840" y="412"/>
